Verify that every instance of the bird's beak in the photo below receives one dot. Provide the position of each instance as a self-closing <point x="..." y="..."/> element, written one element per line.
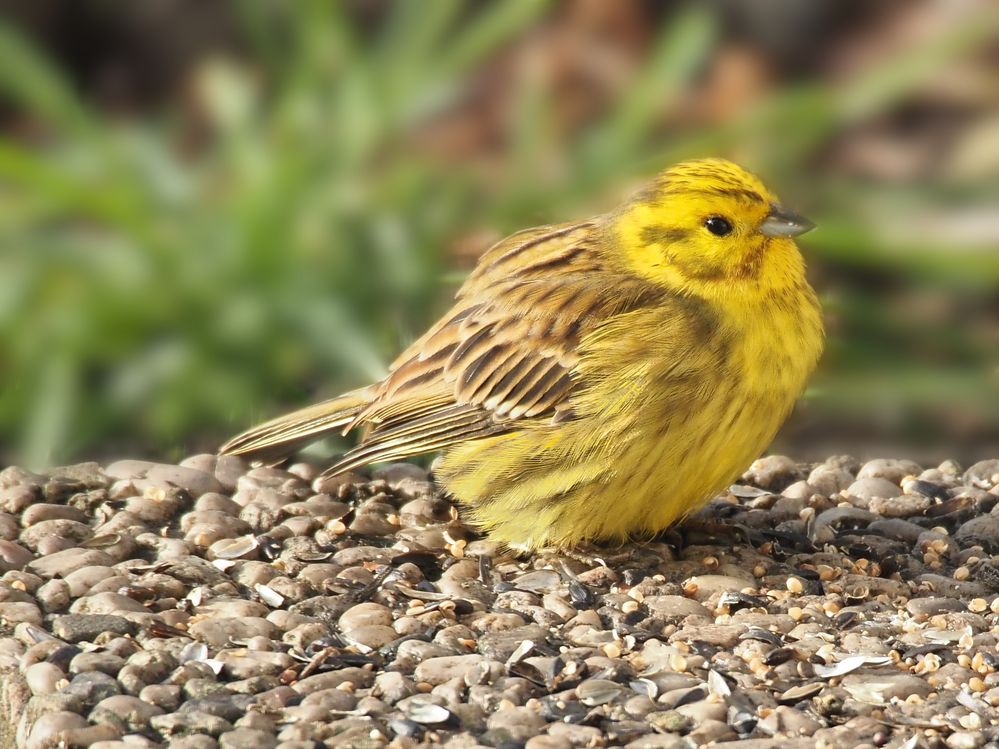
<point x="783" y="223"/>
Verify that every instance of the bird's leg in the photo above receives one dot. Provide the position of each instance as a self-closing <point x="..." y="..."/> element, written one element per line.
<point x="590" y="554"/>
<point x="702" y="530"/>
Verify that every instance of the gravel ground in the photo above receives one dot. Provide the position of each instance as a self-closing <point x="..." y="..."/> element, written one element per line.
<point x="213" y="605"/>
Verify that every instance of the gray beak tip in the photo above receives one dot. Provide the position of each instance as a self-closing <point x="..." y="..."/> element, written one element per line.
<point x="783" y="223"/>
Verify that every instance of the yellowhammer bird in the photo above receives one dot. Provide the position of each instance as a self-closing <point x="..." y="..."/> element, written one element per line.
<point x="600" y="378"/>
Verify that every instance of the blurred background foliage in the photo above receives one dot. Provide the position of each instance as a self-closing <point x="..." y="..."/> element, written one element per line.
<point x="214" y="211"/>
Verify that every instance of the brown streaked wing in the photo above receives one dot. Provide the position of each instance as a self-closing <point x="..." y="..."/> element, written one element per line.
<point x="534" y="249"/>
<point x="505" y="352"/>
<point x="399" y="438"/>
<point x="528" y="251"/>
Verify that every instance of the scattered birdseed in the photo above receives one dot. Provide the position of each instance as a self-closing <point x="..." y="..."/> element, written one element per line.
<point x="224" y="605"/>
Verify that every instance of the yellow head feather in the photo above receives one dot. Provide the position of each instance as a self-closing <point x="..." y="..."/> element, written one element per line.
<point x="705" y="226"/>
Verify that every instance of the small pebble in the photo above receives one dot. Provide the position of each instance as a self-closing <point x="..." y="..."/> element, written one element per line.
<point x="216" y="605"/>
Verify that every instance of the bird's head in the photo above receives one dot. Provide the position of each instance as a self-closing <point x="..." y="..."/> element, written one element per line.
<point x="707" y="226"/>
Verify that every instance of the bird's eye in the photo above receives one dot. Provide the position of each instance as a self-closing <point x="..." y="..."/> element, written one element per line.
<point x="718" y="226"/>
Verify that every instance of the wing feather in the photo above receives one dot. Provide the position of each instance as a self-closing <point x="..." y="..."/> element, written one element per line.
<point x="504" y="355"/>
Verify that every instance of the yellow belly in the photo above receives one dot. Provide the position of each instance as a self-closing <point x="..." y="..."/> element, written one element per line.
<point x="651" y="443"/>
<point x="536" y="488"/>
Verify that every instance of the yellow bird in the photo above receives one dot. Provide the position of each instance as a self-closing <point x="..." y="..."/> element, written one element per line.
<point x="598" y="379"/>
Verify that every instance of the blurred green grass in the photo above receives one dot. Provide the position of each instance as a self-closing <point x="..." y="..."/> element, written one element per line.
<point x="156" y="296"/>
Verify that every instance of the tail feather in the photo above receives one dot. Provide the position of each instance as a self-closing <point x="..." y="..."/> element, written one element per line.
<point x="280" y="437"/>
